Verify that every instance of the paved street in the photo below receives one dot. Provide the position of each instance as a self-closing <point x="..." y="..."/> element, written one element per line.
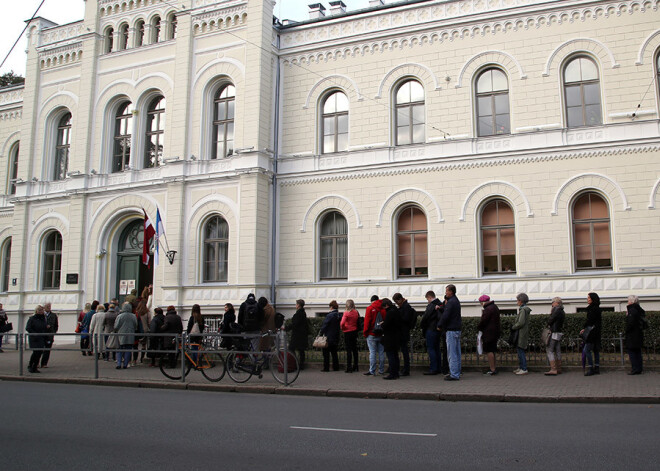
<point x="57" y="426"/>
<point x="611" y="386"/>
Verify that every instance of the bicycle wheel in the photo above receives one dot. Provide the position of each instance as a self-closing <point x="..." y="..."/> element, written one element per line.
<point x="277" y="367"/>
<point x="240" y="367"/>
<point x="212" y="366"/>
<point x="170" y="365"/>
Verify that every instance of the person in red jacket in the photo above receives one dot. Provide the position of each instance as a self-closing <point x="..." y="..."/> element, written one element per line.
<point x="349" y="326"/>
<point x="373" y="332"/>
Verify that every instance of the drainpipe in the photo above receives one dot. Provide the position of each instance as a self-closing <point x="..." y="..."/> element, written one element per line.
<point x="276" y="152"/>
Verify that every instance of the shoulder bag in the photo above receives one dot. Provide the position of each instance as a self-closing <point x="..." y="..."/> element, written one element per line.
<point x="321" y="341"/>
<point x="546" y="334"/>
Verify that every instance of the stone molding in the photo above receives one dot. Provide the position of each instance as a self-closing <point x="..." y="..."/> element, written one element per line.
<point x="324" y="203"/>
<point x="345" y="83"/>
<point x="585" y="181"/>
<point x="597" y="48"/>
<point x="500" y="58"/>
<point x="500" y="189"/>
<point x="410" y="195"/>
<point x="412" y="69"/>
<point x="651" y="44"/>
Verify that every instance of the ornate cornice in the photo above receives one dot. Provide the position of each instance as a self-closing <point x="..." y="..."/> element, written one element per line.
<point x="13" y="95"/>
<point x="64" y="55"/>
<point x="464" y="165"/>
<point x="61" y="33"/>
<point x="220" y="18"/>
<point x="9" y="115"/>
<point x="350" y="31"/>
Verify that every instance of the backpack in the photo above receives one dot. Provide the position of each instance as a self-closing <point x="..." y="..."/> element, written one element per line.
<point x="251" y="317"/>
<point x="412" y="321"/>
<point x="378" y="325"/>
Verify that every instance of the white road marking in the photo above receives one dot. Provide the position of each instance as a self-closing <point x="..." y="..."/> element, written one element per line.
<point x="380" y="432"/>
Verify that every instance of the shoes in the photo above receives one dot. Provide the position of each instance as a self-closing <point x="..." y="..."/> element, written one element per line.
<point x="589" y="372"/>
<point x="117" y="367"/>
<point x="522" y="372"/>
<point x="2" y="351"/>
<point x="430" y="373"/>
<point x="596" y="370"/>
<point x="325" y="370"/>
<point x="516" y="371"/>
<point x="348" y="370"/>
<point x="490" y="373"/>
<point x="634" y="373"/>
<point x="390" y="377"/>
<point x="407" y="373"/>
<point x="450" y="378"/>
<point x="125" y="367"/>
<point x="369" y="373"/>
<point x="44" y="366"/>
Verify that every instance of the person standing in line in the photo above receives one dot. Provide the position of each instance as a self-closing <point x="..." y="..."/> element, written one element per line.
<point x="451" y="323"/>
<point x="84" y="328"/>
<point x="556" y="325"/>
<point x="52" y="327"/>
<point x="228" y="319"/>
<point x="79" y="327"/>
<point x="349" y="326"/>
<point x="156" y="341"/>
<point x="36" y="324"/>
<point x="172" y="325"/>
<point x="489" y="326"/>
<point x="125" y="325"/>
<point x="268" y="324"/>
<point x="330" y="328"/>
<point x="522" y="326"/>
<point x="144" y="319"/>
<point x="429" y="326"/>
<point x="299" y="332"/>
<point x="393" y="335"/>
<point x="408" y="323"/>
<point x="96" y="328"/>
<point x="195" y="327"/>
<point x="635" y="334"/>
<point x="373" y="332"/>
<point x="3" y="323"/>
<point x="250" y="318"/>
<point x="594" y="323"/>
<point x="108" y="328"/>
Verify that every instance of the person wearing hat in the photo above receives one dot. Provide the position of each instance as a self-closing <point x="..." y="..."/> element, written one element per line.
<point x="489" y="326"/>
<point x="125" y="325"/>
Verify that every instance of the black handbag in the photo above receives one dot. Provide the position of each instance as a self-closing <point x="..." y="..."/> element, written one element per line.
<point x="8" y="327"/>
<point x="586" y="333"/>
<point x="513" y="337"/>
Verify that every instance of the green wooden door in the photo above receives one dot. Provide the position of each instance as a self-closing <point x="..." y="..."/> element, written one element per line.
<point x="129" y="260"/>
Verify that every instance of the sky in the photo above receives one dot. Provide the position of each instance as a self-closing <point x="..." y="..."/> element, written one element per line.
<point x="12" y="21"/>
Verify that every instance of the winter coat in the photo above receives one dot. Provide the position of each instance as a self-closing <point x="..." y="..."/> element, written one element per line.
<point x="96" y="326"/>
<point x="392" y="330"/>
<point x="172" y="323"/>
<point x="556" y="319"/>
<point x="634" y="332"/>
<point x="370" y="317"/>
<point x="431" y="316"/>
<point x="109" y="320"/>
<point x="52" y="325"/>
<point x="156" y="342"/>
<point x="126" y="325"/>
<point x="451" y="317"/>
<point x="522" y="326"/>
<point x="489" y="325"/>
<point x="594" y="318"/>
<point x="243" y="309"/>
<point x="299" y="330"/>
<point x="266" y="343"/>
<point x="349" y="321"/>
<point x="330" y="327"/>
<point x="37" y="325"/>
<point x="408" y="320"/>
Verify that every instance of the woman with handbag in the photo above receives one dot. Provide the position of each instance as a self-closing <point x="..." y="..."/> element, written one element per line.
<point x="591" y="334"/>
<point x="634" y="334"/>
<point x="349" y="326"/>
<point x="522" y="327"/>
<point x="556" y="325"/>
<point x="195" y="326"/>
<point x="330" y="329"/>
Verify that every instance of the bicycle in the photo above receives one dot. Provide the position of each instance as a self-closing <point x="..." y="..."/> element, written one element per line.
<point x="242" y="366"/>
<point x="210" y="363"/>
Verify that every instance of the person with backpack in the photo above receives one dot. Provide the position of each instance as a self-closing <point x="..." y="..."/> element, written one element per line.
<point x="299" y="332"/>
<point x="393" y="327"/>
<point x="635" y="323"/>
<point x="250" y="318"/>
<point x="350" y="326"/>
<point x="429" y="326"/>
<point x="373" y="332"/>
<point x="408" y="323"/>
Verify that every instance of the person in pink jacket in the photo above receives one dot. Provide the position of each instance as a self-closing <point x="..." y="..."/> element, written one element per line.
<point x="349" y="326"/>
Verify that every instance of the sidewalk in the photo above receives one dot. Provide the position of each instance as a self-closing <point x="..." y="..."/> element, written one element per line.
<point x="611" y="386"/>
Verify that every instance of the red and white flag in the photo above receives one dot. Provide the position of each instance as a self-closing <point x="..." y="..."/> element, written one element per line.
<point x="149" y="232"/>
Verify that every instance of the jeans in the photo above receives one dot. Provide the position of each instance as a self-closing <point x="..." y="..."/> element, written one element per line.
<point x="393" y="363"/>
<point x="46" y="353"/>
<point x="553" y="350"/>
<point x="124" y="357"/>
<point x="522" y="360"/>
<point x="454" y="352"/>
<point x="405" y="351"/>
<point x="376" y="354"/>
<point x="635" y="355"/>
<point x="588" y="348"/>
<point x="433" y="347"/>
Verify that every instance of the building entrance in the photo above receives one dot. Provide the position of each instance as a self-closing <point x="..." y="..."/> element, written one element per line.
<point x="131" y="272"/>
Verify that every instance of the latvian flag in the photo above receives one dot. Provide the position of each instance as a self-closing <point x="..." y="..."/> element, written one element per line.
<point x="149" y="232"/>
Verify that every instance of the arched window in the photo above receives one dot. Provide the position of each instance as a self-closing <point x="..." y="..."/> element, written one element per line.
<point x="223" y="122"/>
<point x="139" y="33"/>
<point x="582" y="92"/>
<point x="153" y="154"/>
<point x="62" y="147"/>
<point x="216" y="249"/>
<point x="335" y="123"/>
<point x="498" y="239"/>
<point x="155" y="29"/>
<point x="123" y="130"/>
<point x="109" y="39"/>
<point x="591" y="232"/>
<point x="173" y="23"/>
<point x="657" y="71"/>
<point x="52" y="260"/>
<point x="334" y="247"/>
<point x="12" y="170"/>
<point x="492" y="103"/>
<point x="409" y="113"/>
<point x="6" y="262"/>
<point x="123" y="37"/>
<point x="412" y="243"/>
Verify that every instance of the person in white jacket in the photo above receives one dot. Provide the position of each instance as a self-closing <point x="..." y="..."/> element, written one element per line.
<point x="96" y="328"/>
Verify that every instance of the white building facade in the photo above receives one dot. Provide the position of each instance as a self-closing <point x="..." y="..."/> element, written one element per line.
<point x="503" y="146"/>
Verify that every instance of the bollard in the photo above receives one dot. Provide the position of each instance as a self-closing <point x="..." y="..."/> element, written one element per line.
<point x="183" y="359"/>
<point x="19" y="341"/>
<point x="623" y="361"/>
<point x="282" y="337"/>
<point x="96" y="355"/>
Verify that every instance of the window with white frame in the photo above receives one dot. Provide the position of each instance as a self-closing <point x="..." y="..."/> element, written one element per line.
<point x="123" y="129"/>
<point x="171" y="19"/>
<point x="216" y="250"/>
<point x="12" y="171"/>
<point x="334" y="123"/>
<point x="223" y="122"/>
<point x="498" y="238"/>
<point x="409" y="116"/>
<point x="153" y="153"/>
<point x="412" y="242"/>
<point x="155" y="29"/>
<point x="52" y="260"/>
<point x="123" y="37"/>
<point x="5" y="262"/>
<point x="109" y="39"/>
<point x="582" y="92"/>
<point x="591" y="232"/>
<point x="139" y="33"/>
<point x="62" y="147"/>
<point x="492" y="100"/>
<point x="334" y="246"/>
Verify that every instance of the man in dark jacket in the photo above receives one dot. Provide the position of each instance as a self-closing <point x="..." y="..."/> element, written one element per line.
<point x="429" y="326"/>
<point x="299" y="332"/>
<point x="451" y="323"/>
<point x="171" y="325"/>
<point x="408" y="322"/>
<point x="52" y="326"/>
<point x="156" y="342"/>
<point x="36" y="325"/>
<point x="392" y="329"/>
<point x="250" y="318"/>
